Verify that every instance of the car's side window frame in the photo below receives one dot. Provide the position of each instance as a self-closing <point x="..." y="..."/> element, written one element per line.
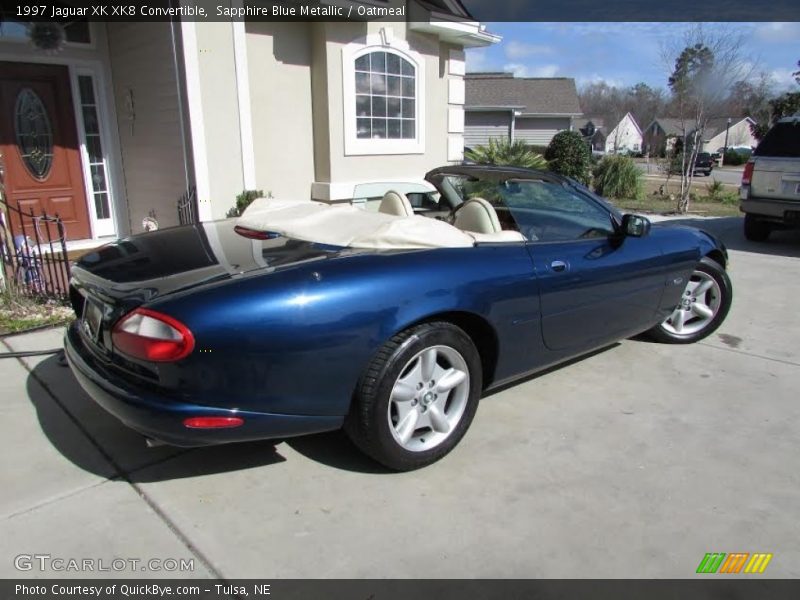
<point x="613" y="218"/>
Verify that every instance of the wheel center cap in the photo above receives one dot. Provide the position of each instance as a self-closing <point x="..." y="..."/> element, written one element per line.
<point x="427" y="398"/>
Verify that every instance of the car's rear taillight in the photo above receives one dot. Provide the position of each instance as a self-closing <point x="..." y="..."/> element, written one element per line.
<point x="150" y="335"/>
<point x="747" y="174"/>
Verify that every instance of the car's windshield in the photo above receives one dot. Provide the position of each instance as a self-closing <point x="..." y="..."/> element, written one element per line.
<point x="540" y="210"/>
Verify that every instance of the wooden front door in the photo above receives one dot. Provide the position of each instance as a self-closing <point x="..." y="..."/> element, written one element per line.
<point x="39" y="145"/>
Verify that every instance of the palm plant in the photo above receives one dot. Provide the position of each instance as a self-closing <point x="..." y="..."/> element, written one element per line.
<point x="501" y="151"/>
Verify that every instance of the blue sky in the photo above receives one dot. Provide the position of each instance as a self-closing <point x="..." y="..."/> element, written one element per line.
<point x="625" y="53"/>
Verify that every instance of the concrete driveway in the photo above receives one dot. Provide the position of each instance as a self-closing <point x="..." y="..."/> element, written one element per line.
<point x="633" y="462"/>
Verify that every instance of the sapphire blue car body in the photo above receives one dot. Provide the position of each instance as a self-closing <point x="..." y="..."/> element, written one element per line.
<point x="283" y="329"/>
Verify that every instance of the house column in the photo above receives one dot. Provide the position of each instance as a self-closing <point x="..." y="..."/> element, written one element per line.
<point x="212" y="91"/>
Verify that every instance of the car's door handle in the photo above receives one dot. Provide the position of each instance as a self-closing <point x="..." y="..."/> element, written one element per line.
<point x="558" y="266"/>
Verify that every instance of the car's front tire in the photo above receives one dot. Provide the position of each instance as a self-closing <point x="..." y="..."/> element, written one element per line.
<point x="417" y="397"/>
<point x="704" y="304"/>
<point x="755" y="229"/>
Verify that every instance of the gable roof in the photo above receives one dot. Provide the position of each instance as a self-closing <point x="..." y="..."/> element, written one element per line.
<point x="598" y="122"/>
<point x="715" y="125"/>
<point x="633" y="120"/>
<point x="669" y="125"/>
<point x="718" y="125"/>
<point x="530" y="95"/>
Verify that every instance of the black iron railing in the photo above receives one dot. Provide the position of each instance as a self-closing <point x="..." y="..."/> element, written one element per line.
<point x="33" y="253"/>
<point x="187" y="207"/>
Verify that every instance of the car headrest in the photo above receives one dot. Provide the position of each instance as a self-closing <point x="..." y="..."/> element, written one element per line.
<point x="478" y="216"/>
<point x="396" y="203"/>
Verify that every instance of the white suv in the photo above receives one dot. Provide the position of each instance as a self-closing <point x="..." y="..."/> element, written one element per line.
<point x="770" y="191"/>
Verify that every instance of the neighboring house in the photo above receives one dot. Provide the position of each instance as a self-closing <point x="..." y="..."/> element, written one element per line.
<point x="625" y="137"/>
<point x="499" y="105"/>
<point x="593" y="132"/>
<point x="739" y="134"/>
<point x="661" y="134"/>
<point x="115" y="125"/>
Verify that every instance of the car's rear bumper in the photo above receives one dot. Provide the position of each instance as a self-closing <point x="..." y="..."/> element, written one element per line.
<point x="161" y="418"/>
<point x="771" y="208"/>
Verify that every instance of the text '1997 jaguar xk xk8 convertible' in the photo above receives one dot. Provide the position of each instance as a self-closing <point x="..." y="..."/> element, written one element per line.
<point x="390" y="321"/>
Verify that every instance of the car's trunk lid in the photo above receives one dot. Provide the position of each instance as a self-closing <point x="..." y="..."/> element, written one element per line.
<point x="118" y="277"/>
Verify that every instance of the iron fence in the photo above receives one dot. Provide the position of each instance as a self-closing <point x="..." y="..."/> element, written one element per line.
<point x="33" y="253"/>
<point x="187" y="207"/>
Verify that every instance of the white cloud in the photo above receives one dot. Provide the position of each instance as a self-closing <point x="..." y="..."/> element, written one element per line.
<point x="519" y="70"/>
<point x="522" y="70"/>
<point x="778" y="32"/>
<point x="783" y="79"/>
<point x="597" y="78"/>
<point x="516" y="50"/>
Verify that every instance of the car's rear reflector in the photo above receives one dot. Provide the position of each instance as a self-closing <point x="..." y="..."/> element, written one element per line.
<point x="747" y="174"/>
<point x="212" y="422"/>
<point x="150" y="335"/>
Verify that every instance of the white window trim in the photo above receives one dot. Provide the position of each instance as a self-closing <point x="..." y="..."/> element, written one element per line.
<point x="384" y="42"/>
<point x="105" y="144"/>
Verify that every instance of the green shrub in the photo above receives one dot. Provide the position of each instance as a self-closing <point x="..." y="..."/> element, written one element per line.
<point x="733" y="158"/>
<point x="618" y="177"/>
<point x="537" y="149"/>
<point x="569" y="155"/>
<point x="716" y="192"/>
<point x="244" y="200"/>
<point x="502" y="151"/>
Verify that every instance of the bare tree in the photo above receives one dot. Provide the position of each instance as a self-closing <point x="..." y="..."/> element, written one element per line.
<point x="703" y="67"/>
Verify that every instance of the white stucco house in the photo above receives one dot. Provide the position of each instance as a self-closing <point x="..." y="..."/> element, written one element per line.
<point x="625" y="137"/>
<point x="740" y="135"/>
<point x="122" y="118"/>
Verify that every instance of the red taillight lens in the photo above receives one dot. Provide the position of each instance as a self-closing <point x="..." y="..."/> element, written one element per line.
<point x="747" y="174"/>
<point x="212" y="422"/>
<point x="149" y="335"/>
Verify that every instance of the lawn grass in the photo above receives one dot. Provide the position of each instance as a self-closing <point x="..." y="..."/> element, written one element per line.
<point x="19" y="314"/>
<point x="652" y="200"/>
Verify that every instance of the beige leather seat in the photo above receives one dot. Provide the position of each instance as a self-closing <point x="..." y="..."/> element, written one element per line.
<point x="395" y="203"/>
<point x="477" y="216"/>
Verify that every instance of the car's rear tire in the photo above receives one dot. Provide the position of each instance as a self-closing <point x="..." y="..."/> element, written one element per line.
<point x="417" y="397"/>
<point x="704" y="305"/>
<point x="755" y="229"/>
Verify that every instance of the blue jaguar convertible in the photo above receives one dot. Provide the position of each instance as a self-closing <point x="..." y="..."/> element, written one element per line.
<point x="389" y="319"/>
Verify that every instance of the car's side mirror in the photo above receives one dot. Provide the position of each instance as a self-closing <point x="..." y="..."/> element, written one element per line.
<point x="635" y="225"/>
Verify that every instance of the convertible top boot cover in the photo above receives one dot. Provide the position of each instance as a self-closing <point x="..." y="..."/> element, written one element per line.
<point x="348" y="226"/>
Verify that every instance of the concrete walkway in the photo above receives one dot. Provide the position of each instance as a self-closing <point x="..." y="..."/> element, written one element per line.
<point x="633" y="462"/>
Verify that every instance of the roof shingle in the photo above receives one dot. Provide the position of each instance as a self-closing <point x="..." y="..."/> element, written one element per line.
<point x="531" y="95"/>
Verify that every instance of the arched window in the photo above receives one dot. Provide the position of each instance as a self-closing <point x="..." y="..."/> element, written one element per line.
<point x="383" y="97"/>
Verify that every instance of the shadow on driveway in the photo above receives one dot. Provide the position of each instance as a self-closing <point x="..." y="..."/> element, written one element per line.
<point x="125" y="451"/>
<point x="127" y="456"/>
<point x="731" y="231"/>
